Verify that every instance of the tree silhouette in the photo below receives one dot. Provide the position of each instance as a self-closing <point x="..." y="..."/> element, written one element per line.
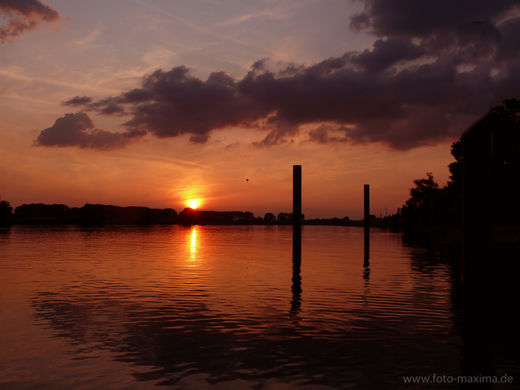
<point x="423" y="192"/>
<point x="482" y="180"/>
<point x="269" y="219"/>
<point x="6" y="213"/>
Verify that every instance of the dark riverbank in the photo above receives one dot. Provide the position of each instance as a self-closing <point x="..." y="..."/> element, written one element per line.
<point x="96" y="214"/>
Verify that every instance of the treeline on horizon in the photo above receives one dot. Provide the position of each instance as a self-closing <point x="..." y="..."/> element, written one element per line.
<point x="97" y="214"/>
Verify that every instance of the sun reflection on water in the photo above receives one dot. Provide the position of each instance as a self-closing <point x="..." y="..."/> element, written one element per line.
<point x="193" y="244"/>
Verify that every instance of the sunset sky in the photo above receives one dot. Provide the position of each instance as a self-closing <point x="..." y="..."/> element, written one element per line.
<point x="153" y="102"/>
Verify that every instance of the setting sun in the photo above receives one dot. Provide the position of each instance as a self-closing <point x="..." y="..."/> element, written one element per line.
<point x="193" y="203"/>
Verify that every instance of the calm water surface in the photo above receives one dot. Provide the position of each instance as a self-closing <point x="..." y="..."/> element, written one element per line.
<point x="211" y="307"/>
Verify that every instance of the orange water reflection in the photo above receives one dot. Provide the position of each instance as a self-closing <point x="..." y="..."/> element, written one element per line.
<point x="193" y="244"/>
<point x="154" y="298"/>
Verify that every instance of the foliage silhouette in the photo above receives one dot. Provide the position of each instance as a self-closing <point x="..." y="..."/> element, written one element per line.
<point x="481" y="190"/>
<point x="6" y="213"/>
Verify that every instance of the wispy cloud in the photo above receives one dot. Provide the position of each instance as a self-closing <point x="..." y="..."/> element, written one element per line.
<point x="208" y="31"/>
<point x="88" y="39"/>
<point x="18" y="73"/>
<point x="275" y="12"/>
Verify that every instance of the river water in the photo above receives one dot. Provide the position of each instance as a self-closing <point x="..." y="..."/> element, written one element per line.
<point x="224" y="307"/>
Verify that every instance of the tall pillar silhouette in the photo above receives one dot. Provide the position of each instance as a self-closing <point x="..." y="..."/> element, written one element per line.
<point x="297" y="210"/>
<point x="296" y="286"/>
<point x="297" y="194"/>
<point x="366" y="225"/>
<point x="366" y="188"/>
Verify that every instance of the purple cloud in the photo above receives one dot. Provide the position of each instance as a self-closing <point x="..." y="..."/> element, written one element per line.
<point x="434" y="70"/>
<point x="78" y="130"/>
<point x="19" y="16"/>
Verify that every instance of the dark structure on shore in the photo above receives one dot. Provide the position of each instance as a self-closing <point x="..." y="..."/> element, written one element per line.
<point x="366" y="227"/>
<point x="297" y="221"/>
<point x="297" y="194"/>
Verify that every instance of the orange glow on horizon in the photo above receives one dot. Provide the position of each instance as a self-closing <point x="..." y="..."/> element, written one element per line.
<point x="193" y="203"/>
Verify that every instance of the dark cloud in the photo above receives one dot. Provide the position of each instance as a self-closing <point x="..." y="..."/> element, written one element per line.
<point x="174" y="103"/>
<point x="510" y="43"/>
<point x="411" y="18"/>
<point x="106" y="106"/>
<point x="19" y="16"/>
<point x="78" y="101"/>
<point x="470" y="29"/>
<point x="78" y="130"/>
<point x="386" y="53"/>
<point x="473" y="31"/>
<point x="413" y="106"/>
<point x="434" y="69"/>
<point x="279" y="131"/>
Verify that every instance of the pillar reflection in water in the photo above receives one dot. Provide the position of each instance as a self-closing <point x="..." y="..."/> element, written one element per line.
<point x="366" y="231"/>
<point x="366" y="257"/>
<point x="296" y="287"/>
